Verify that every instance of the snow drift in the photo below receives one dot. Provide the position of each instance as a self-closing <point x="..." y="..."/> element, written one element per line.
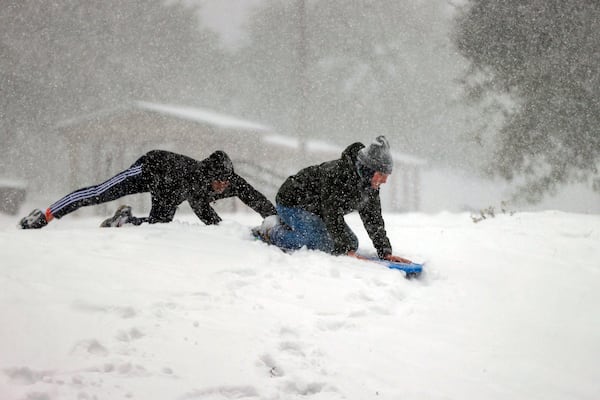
<point x="506" y="309"/>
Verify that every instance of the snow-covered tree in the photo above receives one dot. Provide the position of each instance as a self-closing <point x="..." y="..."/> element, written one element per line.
<point x="541" y="55"/>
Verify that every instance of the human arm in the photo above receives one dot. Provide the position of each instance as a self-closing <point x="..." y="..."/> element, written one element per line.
<point x="356" y="255"/>
<point x="375" y="227"/>
<point x="343" y="239"/>
<point x="332" y="214"/>
<point x="251" y="197"/>
<point x="204" y="211"/>
<point x="370" y="215"/>
<point x="397" y="259"/>
<point x="388" y="257"/>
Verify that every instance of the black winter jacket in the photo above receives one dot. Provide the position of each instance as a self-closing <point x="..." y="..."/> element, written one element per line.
<point x="174" y="178"/>
<point x="333" y="189"/>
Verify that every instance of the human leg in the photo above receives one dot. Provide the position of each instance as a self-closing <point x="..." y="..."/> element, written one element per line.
<point x="35" y="220"/>
<point x="352" y="238"/>
<point x="300" y="228"/>
<point x="124" y="183"/>
<point x="123" y="216"/>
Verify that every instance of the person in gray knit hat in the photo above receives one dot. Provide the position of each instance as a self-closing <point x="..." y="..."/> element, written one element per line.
<point x="311" y="204"/>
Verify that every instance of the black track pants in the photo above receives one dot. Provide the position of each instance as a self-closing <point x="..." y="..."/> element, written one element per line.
<point x="124" y="183"/>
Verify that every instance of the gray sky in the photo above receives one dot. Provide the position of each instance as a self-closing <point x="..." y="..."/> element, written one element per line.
<point x="227" y="17"/>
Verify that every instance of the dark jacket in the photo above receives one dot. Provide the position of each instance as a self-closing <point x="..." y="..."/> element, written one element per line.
<point x="333" y="189"/>
<point x="174" y="178"/>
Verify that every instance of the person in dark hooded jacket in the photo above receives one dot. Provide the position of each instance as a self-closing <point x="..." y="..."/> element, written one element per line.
<point x="312" y="203"/>
<point x="170" y="179"/>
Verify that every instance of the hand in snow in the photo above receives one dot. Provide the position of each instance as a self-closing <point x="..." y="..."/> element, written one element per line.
<point x="390" y="257"/>
<point x="353" y="254"/>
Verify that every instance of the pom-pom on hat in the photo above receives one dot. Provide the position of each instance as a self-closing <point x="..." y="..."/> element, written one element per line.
<point x="377" y="156"/>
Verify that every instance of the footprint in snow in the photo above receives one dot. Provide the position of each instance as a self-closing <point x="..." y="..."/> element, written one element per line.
<point x="267" y="363"/>
<point x="334" y="325"/>
<point x="222" y="392"/>
<point x="308" y="389"/>
<point x="91" y="346"/>
<point x="129" y="335"/>
<point x="26" y="376"/>
<point x="124" y="312"/>
<point x="293" y="348"/>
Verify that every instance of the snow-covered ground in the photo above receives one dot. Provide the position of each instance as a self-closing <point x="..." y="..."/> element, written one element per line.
<point x="508" y="309"/>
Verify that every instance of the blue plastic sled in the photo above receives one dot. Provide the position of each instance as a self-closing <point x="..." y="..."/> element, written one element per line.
<point x="412" y="270"/>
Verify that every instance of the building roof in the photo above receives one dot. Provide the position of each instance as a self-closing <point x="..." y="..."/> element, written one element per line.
<point x="318" y="146"/>
<point x="202" y="115"/>
<point x="195" y="114"/>
<point x="212" y="118"/>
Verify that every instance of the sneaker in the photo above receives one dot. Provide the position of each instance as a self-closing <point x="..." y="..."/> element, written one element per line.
<point x="260" y="235"/>
<point x="122" y="216"/>
<point x="35" y="220"/>
<point x="263" y="231"/>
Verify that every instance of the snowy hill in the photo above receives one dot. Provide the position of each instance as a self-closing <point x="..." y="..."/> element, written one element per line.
<point x="507" y="310"/>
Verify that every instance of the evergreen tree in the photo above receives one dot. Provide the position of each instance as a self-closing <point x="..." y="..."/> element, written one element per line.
<point x="543" y="56"/>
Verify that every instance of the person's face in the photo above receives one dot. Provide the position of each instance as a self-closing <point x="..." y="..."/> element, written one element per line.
<point x="219" y="186"/>
<point x="378" y="179"/>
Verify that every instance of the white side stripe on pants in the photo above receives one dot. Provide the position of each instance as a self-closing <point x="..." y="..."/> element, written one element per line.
<point x="96" y="190"/>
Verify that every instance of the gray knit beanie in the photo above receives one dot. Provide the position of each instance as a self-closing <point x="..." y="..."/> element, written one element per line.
<point x="377" y="156"/>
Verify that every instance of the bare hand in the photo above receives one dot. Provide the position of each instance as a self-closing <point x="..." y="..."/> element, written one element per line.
<point x="353" y="254"/>
<point x="390" y="257"/>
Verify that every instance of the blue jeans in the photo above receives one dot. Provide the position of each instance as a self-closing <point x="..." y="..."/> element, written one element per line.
<point x="304" y="229"/>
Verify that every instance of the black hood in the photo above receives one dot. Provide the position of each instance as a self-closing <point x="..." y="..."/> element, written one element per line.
<point x="350" y="153"/>
<point x="219" y="166"/>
